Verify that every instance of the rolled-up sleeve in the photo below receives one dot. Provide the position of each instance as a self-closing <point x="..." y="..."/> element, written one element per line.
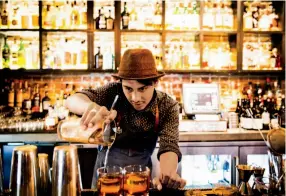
<point x="169" y="133"/>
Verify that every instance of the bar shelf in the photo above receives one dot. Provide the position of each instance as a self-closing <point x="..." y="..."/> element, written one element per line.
<point x="161" y="19"/>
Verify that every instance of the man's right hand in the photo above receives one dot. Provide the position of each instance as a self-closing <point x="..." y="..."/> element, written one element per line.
<point x="96" y="114"/>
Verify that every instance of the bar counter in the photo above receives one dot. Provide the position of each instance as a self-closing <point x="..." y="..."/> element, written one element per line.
<point x="229" y="135"/>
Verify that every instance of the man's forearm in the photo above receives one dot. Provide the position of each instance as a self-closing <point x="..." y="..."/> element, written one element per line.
<point x="78" y="103"/>
<point x="169" y="162"/>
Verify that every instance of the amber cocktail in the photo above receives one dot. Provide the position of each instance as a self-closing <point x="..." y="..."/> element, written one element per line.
<point x="136" y="180"/>
<point x="110" y="181"/>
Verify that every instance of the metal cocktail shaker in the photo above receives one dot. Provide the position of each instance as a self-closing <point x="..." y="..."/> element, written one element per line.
<point x="24" y="171"/>
<point x="66" y="179"/>
<point x="44" y="175"/>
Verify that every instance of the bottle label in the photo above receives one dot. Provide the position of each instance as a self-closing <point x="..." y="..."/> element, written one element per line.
<point x="125" y="20"/>
<point x="27" y="104"/>
<point x="109" y="24"/>
<point x="19" y="99"/>
<point x="11" y="99"/>
<point x="102" y="23"/>
<point x="46" y="105"/>
<point x="67" y="58"/>
<point x="100" y="62"/>
<point x="14" y="22"/>
<point x="266" y="118"/>
<point x="4" y="20"/>
<point x="5" y="54"/>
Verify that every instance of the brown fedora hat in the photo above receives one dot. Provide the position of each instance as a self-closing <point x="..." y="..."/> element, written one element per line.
<point x="137" y="64"/>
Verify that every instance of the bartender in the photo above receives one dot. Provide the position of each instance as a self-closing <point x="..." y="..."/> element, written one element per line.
<point x="143" y="115"/>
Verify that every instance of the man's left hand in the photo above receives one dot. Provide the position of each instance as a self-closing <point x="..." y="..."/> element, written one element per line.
<point x="169" y="180"/>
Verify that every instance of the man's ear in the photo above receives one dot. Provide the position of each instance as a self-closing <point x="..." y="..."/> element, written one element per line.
<point x="155" y="83"/>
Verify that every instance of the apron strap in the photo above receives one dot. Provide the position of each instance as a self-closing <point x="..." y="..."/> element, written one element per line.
<point x="156" y="119"/>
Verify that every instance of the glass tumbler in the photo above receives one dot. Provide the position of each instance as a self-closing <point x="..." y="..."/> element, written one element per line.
<point x="136" y="180"/>
<point x="110" y="181"/>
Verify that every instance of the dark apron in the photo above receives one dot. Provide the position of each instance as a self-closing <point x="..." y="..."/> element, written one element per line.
<point x="124" y="157"/>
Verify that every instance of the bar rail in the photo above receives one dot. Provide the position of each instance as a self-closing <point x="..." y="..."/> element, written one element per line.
<point x="229" y="135"/>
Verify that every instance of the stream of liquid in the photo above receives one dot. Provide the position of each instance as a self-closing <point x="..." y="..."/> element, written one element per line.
<point x="106" y="157"/>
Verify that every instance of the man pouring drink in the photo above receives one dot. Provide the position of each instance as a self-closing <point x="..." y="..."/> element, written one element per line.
<point x="142" y="114"/>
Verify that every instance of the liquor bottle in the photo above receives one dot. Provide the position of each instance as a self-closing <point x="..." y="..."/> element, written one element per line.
<point x="27" y="102"/>
<point x="21" y="55"/>
<point x="36" y="100"/>
<point x="274" y="20"/>
<point x="83" y="14"/>
<point x="208" y="17"/>
<point x="97" y="19"/>
<point x="275" y="59"/>
<point x="74" y="15"/>
<point x="19" y="96"/>
<point x="176" y="15"/>
<point x="14" y="55"/>
<point x="102" y="20"/>
<point x="24" y="16"/>
<point x="218" y="16"/>
<point x="15" y="20"/>
<point x="246" y="120"/>
<point x="265" y="119"/>
<point x="157" y="16"/>
<point x="256" y="108"/>
<point x="57" y="21"/>
<point x="255" y="17"/>
<point x="133" y="19"/>
<point x="108" y="59"/>
<point x="67" y="53"/>
<point x="6" y="54"/>
<point x="109" y="21"/>
<point x="238" y="108"/>
<point x="228" y="18"/>
<point x="274" y="114"/>
<point x="83" y="53"/>
<point x="67" y="10"/>
<point x="125" y="17"/>
<point x="11" y="95"/>
<point x="47" y="16"/>
<point x="35" y="15"/>
<point x="43" y="91"/>
<point x="193" y="17"/>
<point x="32" y="56"/>
<point x="247" y="20"/>
<point x="98" y="59"/>
<point x="66" y="95"/>
<point x="267" y="88"/>
<point x="46" y="102"/>
<point x="4" y="16"/>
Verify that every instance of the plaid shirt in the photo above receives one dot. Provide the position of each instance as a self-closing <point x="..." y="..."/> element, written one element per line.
<point x="138" y="126"/>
